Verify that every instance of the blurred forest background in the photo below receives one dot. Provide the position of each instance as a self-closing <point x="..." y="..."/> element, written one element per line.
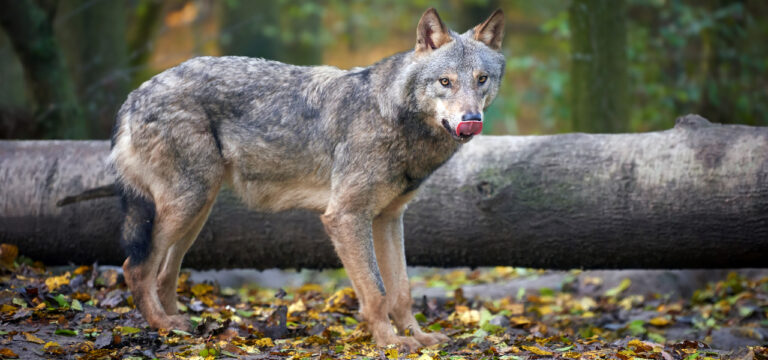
<point x="572" y="65"/>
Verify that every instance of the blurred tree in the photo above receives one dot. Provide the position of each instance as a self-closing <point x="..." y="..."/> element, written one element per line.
<point x="599" y="65"/>
<point x="288" y="31"/>
<point x="473" y="12"/>
<point x="704" y="56"/>
<point x="93" y="39"/>
<point x="29" y="25"/>
<point x="141" y="32"/>
<point x="728" y="90"/>
<point x="682" y="56"/>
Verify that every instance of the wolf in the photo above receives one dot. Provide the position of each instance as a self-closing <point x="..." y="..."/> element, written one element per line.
<point x="353" y="145"/>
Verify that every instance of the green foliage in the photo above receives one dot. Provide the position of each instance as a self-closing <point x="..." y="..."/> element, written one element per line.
<point x="693" y="56"/>
<point x="683" y="56"/>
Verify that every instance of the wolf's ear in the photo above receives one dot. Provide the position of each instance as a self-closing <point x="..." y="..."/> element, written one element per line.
<point x="431" y="33"/>
<point x="491" y="31"/>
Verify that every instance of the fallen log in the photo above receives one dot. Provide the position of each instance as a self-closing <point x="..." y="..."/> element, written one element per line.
<point x="695" y="196"/>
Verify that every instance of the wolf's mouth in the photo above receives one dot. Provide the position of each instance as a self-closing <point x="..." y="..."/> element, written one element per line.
<point x="459" y="135"/>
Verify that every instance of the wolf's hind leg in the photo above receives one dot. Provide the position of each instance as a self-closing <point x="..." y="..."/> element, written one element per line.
<point x="175" y="212"/>
<point x="388" y="240"/>
<point x="168" y="275"/>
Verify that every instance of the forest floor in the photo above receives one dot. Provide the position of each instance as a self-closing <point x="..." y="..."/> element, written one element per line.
<point x="86" y="312"/>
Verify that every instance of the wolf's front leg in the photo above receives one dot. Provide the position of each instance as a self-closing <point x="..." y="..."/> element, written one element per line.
<point x="352" y="236"/>
<point x="390" y="252"/>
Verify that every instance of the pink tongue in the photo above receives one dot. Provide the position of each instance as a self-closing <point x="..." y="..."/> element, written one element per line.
<point x="466" y="128"/>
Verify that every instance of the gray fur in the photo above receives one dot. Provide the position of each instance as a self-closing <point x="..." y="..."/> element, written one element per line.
<point x="346" y="143"/>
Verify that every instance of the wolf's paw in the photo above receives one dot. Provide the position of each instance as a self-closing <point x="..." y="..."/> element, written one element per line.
<point x="173" y="322"/>
<point x="179" y="322"/>
<point x="427" y="339"/>
<point x="405" y="344"/>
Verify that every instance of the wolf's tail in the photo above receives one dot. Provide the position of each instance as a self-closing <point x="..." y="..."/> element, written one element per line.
<point x="136" y="232"/>
<point x="90" y="194"/>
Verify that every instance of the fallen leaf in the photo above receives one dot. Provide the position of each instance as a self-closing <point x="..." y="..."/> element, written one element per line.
<point x="8" y="255"/>
<point x="34" y="339"/>
<point x="342" y="301"/>
<point x="7" y="353"/>
<point x="296" y="307"/>
<point x="55" y="282"/>
<point x="82" y="269"/>
<point x="66" y="332"/>
<point x="53" y="348"/>
<point x="264" y="342"/>
<point x="537" y="350"/>
<point x="659" y="321"/>
<point x="624" y="285"/>
<point x="392" y="353"/>
<point x="201" y="289"/>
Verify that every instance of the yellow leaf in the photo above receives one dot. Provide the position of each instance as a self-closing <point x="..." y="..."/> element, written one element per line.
<point x="296" y="307"/>
<point x="82" y="270"/>
<point x="53" y="348"/>
<point x="7" y="353"/>
<point x="628" y="353"/>
<point x="639" y="345"/>
<point x="659" y="321"/>
<point x="55" y="282"/>
<point x="587" y="303"/>
<point x="33" y="338"/>
<point x="572" y="355"/>
<point x="537" y="350"/>
<point x="8" y="254"/>
<point x="313" y="314"/>
<point x="340" y="301"/>
<point x="519" y="321"/>
<point x="310" y="288"/>
<point x="264" y="342"/>
<point x="122" y="309"/>
<point x="544" y="310"/>
<point x="392" y="353"/>
<point x="470" y="317"/>
<point x="201" y="289"/>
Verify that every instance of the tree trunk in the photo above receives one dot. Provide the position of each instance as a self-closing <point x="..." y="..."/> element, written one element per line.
<point x="29" y="27"/>
<point x="599" y="65"/>
<point x="93" y="39"/>
<point x="695" y="196"/>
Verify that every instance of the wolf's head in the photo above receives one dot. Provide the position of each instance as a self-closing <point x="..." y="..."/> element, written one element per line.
<point x="454" y="77"/>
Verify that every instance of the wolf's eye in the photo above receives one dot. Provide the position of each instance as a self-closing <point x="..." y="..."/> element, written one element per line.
<point x="445" y="82"/>
<point x="482" y="79"/>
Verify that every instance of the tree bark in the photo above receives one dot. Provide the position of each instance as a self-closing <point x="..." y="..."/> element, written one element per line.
<point x="695" y="196"/>
<point x="29" y="27"/>
<point x="599" y="65"/>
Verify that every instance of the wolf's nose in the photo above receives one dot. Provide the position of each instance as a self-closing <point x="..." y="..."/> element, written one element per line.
<point x="472" y="117"/>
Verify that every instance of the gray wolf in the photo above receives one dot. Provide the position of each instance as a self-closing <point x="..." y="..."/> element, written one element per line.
<point x="353" y="145"/>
